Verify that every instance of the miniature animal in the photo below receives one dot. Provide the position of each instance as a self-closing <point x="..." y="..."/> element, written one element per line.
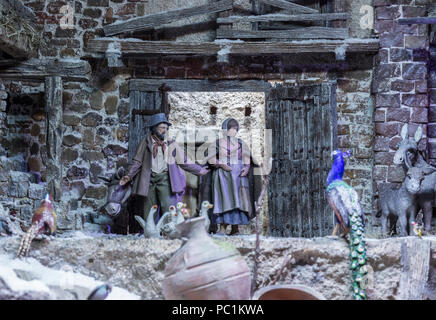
<point x="345" y="203"/>
<point x="151" y="229"/>
<point x="402" y="203"/>
<point x="205" y="206"/>
<point x="409" y="156"/>
<point x="417" y="229"/>
<point x="101" y="292"/>
<point x="169" y="229"/>
<point x="43" y="222"/>
<point x="117" y="195"/>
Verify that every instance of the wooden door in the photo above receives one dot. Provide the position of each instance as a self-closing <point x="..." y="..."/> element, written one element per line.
<point x="303" y="123"/>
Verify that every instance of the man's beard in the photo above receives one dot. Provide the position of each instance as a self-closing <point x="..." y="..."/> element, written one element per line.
<point x="160" y="136"/>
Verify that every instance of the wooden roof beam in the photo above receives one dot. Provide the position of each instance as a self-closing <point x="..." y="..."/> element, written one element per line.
<point x="139" y="48"/>
<point x="286" y="17"/>
<point x="418" y="20"/>
<point x="158" y="19"/>
<point x="286" y="5"/>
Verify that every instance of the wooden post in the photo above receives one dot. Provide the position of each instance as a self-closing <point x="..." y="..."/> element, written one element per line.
<point x="53" y="109"/>
<point x="415" y="258"/>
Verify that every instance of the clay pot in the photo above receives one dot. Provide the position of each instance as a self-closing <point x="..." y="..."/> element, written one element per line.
<point x="204" y="269"/>
<point x="287" y="292"/>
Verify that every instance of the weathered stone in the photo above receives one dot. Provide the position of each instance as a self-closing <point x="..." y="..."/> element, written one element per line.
<point x="380" y="115"/>
<point x="420" y="55"/>
<point x="387" y="13"/>
<point x="96" y="100"/>
<point x="92" y="12"/>
<point x="388" y="40"/>
<point x="103" y="131"/>
<point x="98" y="3"/>
<point x="36" y="191"/>
<point x="36" y="129"/>
<point x="92" y="156"/>
<point x="420" y="115"/>
<point x="388" y="70"/>
<point x="68" y="52"/>
<point x="402" y="85"/>
<point x="385" y="158"/>
<point x="71" y="120"/>
<point x="18" y="189"/>
<point x="87" y="23"/>
<point x="53" y="7"/>
<point x="34" y="149"/>
<point x="387" y="129"/>
<point x="343" y="129"/>
<point x="34" y="164"/>
<point x="414" y="71"/>
<point x="124" y="89"/>
<point x="388" y="100"/>
<point x="126" y="9"/>
<point x="96" y="192"/>
<point x="69" y="155"/>
<point x="71" y="140"/>
<point x="94" y="171"/>
<point x="432" y="114"/>
<point x="431" y="130"/>
<point x="21" y="177"/>
<point x="65" y="33"/>
<point x="415" y="42"/>
<point x="381" y="144"/>
<point x="109" y="85"/>
<point x="108" y="17"/>
<point x="421" y="86"/>
<point x="110" y="122"/>
<point x="88" y="138"/>
<point x="398" y="114"/>
<point x="123" y="134"/>
<point x="399" y="54"/>
<point x="92" y="119"/>
<point x="379" y="173"/>
<point x="415" y="100"/>
<point x="393" y="144"/>
<point x="396" y="174"/>
<point x="414" y="11"/>
<point x="78" y="189"/>
<point x="4" y="175"/>
<point x="114" y="149"/>
<point x="77" y="173"/>
<point x="123" y="111"/>
<point x="79" y="107"/>
<point x="111" y="104"/>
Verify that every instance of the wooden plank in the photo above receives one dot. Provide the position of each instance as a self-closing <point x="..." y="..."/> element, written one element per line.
<point x="39" y="69"/>
<point x="139" y="48"/>
<point x="200" y="85"/>
<point x="415" y="258"/>
<point x="301" y="33"/>
<point x="53" y="109"/>
<point x="155" y="20"/>
<point x="418" y="20"/>
<point x="286" y="5"/>
<point x="285" y="17"/>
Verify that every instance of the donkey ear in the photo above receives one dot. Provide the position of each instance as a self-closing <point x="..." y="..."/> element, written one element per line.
<point x="418" y="134"/>
<point x="404" y="131"/>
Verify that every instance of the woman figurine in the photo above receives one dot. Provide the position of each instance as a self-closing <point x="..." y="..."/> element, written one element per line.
<point x="230" y="187"/>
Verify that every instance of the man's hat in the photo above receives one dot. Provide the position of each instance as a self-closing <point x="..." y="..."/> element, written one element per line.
<point x="158" y="118"/>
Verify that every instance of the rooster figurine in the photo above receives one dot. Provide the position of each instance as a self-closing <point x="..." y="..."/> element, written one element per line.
<point x="43" y="222"/>
<point x="348" y="213"/>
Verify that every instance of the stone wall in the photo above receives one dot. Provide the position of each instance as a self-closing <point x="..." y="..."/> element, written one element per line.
<point x="96" y="113"/>
<point x="399" y="85"/>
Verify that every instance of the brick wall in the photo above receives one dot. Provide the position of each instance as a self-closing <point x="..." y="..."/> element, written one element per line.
<point x="399" y="84"/>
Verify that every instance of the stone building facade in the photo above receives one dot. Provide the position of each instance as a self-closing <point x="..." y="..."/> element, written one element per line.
<point x="376" y="94"/>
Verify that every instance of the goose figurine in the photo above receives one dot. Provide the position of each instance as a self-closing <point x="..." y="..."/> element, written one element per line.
<point x="176" y="216"/>
<point x="151" y="229"/>
<point x="205" y="206"/>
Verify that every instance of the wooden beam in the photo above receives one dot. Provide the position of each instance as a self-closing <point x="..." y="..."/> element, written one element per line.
<point x="139" y="48"/>
<point x="285" y="17"/>
<point x="300" y="33"/>
<point x="155" y="20"/>
<point x="418" y="20"/>
<point x="53" y="109"/>
<point x="39" y="69"/>
<point x="199" y="85"/>
<point x="286" y="5"/>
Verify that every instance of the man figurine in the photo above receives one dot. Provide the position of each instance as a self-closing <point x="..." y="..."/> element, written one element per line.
<point x="155" y="168"/>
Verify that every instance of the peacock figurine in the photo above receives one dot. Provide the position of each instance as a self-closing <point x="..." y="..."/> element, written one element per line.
<point x="349" y="215"/>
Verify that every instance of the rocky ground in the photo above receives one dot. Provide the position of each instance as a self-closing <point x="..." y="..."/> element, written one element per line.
<point x="136" y="265"/>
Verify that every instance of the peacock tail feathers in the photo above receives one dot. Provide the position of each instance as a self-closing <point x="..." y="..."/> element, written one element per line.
<point x="349" y="201"/>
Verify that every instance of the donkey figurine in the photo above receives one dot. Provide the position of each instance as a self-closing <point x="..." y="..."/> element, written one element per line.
<point x="409" y="156"/>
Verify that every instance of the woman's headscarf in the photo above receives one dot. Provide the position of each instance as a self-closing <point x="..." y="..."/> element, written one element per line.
<point x="230" y="122"/>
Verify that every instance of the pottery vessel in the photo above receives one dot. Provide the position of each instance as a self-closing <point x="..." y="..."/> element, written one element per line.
<point x="287" y="292"/>
<point x="204" y="268"/>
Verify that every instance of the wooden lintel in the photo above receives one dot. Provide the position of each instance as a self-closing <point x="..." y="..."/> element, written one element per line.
<point x="37" y="69"/>
<point x="199" y="85"/>
<point x="156" y="20"/>
<point x="286" y="17"/>
<point x="300" y="33"/>
<point x="418" y="20"/>
<point x="286" y="5"/>
<point x="139" y="48"/>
